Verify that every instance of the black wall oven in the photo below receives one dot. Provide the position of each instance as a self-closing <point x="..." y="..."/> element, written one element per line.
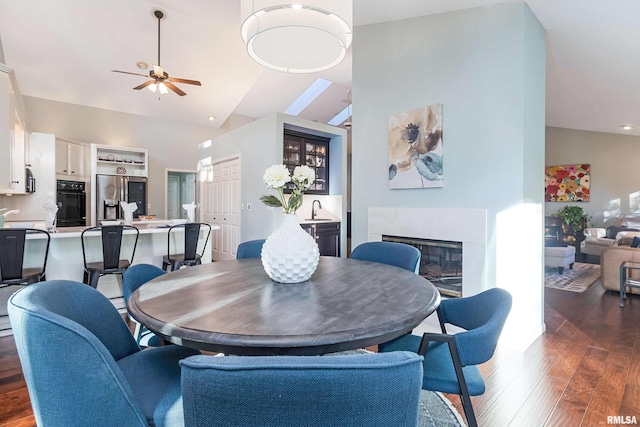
<point x="72" y="204"/>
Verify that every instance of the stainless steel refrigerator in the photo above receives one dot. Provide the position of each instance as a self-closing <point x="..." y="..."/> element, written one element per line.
<point x="113" y="189"/>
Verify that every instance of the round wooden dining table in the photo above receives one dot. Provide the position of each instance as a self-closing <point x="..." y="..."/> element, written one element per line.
<point x="234" y="307"/>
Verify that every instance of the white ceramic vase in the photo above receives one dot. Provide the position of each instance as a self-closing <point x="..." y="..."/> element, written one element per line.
<point x="290" y="255"/>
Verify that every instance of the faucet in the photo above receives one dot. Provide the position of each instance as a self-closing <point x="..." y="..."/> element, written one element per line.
<point x="313" y="210"/>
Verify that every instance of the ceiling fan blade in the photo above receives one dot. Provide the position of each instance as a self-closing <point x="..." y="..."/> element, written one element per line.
<point x="189" y="82"/>
<point x="133" y="74"/>
<point x="143" y="85"/>
<point x="174" y="88"/>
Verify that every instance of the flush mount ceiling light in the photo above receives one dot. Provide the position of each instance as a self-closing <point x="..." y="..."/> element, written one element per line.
<point x="626" y="127"/>
<point x="306" y="37"/>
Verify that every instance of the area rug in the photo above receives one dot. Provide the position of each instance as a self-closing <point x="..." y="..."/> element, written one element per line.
<point x="436" y="411"/>
<point x="576" y="280"/>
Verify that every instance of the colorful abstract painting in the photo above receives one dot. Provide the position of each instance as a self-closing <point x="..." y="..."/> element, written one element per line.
<point x="415" y="148"/>
<point x="567" y="183"/>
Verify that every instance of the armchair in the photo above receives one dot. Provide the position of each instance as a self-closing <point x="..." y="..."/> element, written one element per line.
<point x="610" y="267"/>
<point x="595" y="241"/>
<point x="82" y="366"/>
<point x="451" y="361"/>
<point x="392" y="253"/>
<point x="345" y="390"/>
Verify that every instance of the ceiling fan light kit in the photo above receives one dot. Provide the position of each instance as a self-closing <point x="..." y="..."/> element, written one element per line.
<point x="160" y="80"/>
<point x="305" y="37"/>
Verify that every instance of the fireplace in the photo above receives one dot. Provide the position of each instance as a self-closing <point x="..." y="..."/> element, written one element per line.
<point x="440" y="262"/>
<point x="467" y="226"/>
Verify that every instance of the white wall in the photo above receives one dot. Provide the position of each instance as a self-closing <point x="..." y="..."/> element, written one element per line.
<point x="486" y="66"/>
<point x="171" y="144"/>
<point x="259" y="144"/>
<point x="615" y="174"/>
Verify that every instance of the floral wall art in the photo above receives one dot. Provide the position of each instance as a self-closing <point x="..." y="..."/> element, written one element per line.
<point x="567" y="183"/>
<point x="415" y="148"/>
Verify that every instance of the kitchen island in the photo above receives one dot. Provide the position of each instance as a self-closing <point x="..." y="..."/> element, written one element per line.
<point x="66" y="262"/>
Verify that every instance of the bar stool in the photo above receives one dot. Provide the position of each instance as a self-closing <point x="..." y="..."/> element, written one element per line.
<point x="12" y="247"/>
<point x="190" y="256"/>
<point x="111" y="247"/>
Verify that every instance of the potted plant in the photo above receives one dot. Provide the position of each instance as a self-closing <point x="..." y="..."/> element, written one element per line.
<point x="574" y="220"/>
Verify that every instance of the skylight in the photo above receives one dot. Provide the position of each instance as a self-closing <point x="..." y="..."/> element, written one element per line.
<point x="308" y="96"/>
<point x="341" y="116"/>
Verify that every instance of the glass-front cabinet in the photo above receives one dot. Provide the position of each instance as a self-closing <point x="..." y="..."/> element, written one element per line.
<point x="310" y="150"/>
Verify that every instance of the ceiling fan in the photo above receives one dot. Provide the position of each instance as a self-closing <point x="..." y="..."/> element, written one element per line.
<point x="160" y="80"/>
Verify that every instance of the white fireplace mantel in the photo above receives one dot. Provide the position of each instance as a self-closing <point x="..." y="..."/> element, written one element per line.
<point x="468" y="226"/>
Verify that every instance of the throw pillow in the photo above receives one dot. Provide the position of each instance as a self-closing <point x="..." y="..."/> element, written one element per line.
<point x="613" y="231"/>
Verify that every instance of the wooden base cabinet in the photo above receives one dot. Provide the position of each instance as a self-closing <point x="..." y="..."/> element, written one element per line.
<point x="326" y="235"/>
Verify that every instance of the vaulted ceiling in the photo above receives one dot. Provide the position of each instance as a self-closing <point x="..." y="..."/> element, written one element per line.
<point x="64" y="50"/>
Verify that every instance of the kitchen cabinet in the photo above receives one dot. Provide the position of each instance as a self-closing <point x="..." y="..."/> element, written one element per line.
<point x="311" y="150"/>
<point x="70" y="160"/>
<point x="12" y="135"/>
<point x="326" y="235"/>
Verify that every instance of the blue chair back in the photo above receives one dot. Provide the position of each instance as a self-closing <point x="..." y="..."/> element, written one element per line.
<point x="483" y="316"/>
<point x="250" y="249"/>
<point x="136" y="276"/>
<point x="391" y="253"/>
<point x="343" y="390"/>
<point x="69" y="337"/>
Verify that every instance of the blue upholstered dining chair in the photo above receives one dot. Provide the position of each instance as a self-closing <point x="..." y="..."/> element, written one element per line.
<point x="450" y="361"/>
<point x="83" y="367"/>
<point x="392" y="253"/>
<point x="134" y="277"/>
<point x="269" y="391"/>
<point x="250" y="249"/>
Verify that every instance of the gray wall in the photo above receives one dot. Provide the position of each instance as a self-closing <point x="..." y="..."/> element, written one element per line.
<point x="486" y="66"/>
<point x="615" y="175"/>
<point x="259" y="145"/>
<point x="171" y="144"/>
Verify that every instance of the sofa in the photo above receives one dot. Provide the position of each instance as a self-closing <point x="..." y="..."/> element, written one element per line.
<point x="610" y="261"/>
<point x="598" y="239"/>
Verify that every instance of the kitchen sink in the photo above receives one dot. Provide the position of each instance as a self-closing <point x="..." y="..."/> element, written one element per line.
<point x="318" y="219"/>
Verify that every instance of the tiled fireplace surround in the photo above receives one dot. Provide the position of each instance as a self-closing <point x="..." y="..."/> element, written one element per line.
<point x="468" y="226"/>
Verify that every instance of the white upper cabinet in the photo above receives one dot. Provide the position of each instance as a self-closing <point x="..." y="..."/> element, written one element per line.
<point x="71" y="160"/>
<point x="12" y="135"/>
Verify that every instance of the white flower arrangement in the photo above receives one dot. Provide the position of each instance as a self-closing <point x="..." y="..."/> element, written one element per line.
<point x="277" y="176"/>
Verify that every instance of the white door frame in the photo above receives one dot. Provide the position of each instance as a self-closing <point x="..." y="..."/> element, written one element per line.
<point x="166" y="185"/>
<point x="212" y="163"/>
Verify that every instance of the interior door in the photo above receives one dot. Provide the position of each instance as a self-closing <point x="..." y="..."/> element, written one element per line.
<point x="230" y="207"/>
<point x="190" y="187"/>
<point x="173" y="197"/>
<point x="220" y="192"/>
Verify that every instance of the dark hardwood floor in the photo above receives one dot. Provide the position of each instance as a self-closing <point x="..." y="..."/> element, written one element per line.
<point x="585" y="368"/>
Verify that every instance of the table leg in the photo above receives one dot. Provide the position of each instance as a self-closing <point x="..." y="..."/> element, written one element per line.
<point x="623" y="280"/>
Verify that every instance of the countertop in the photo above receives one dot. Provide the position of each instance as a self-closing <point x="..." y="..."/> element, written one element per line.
<point x="144" y="226"/>
<point x="313" y="221"/>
